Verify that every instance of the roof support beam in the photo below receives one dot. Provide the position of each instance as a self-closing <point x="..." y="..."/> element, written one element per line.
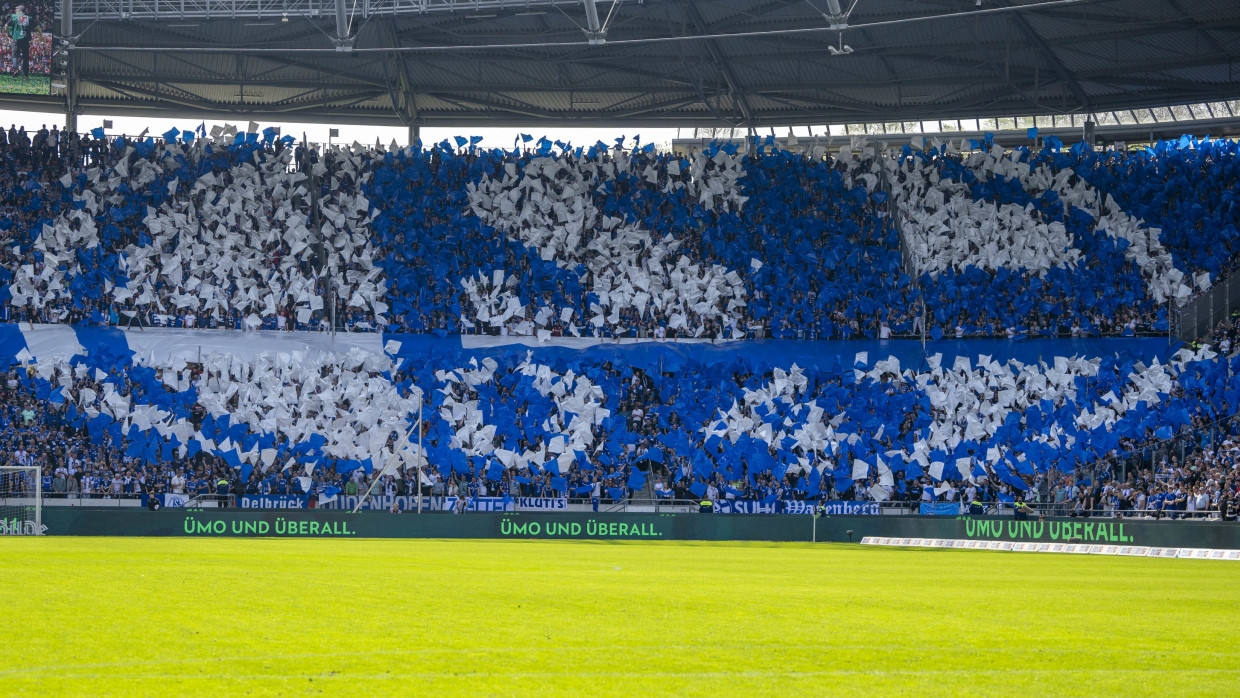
<point x="712" y="47"/>
<point x="1202" y="30"/>
<point x="1057" y="65"/>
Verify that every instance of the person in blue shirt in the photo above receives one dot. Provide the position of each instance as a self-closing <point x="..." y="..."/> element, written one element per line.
<point x="1155" y="503"/>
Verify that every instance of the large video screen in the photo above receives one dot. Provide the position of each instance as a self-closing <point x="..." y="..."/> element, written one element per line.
<point x="26" y="46"/>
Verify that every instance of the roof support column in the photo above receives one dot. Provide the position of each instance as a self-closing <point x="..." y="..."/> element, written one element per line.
<point x="65" y="43"/>
<point x="66" y="18"/>
<point x="343" y="41"/>
<point x="595" y="33"/>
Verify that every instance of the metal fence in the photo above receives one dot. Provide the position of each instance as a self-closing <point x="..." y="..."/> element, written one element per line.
<point x="1199" y="316"/>
<point x="1147" y="455"/>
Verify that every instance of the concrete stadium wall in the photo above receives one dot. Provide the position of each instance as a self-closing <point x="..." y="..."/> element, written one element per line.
<point x="757" y="527"/>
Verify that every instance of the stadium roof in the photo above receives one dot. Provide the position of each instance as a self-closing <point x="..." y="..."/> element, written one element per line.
<point x="643" y="62"/>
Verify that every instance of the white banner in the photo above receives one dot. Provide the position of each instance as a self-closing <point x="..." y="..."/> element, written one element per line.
<point x="542" y="503"/>
<point x="176" y="500"/>
<point x="378" y="502"/>
<point x="429" y="503"/>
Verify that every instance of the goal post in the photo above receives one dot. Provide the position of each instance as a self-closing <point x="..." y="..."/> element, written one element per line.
<point x="21" y="500"/>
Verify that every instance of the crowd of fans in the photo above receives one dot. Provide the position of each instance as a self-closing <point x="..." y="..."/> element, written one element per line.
<point x="720" y="244"/>
<point x="1206" y="483"/>
<point x="1139" y="477"/>
<point x="811" y="237"/>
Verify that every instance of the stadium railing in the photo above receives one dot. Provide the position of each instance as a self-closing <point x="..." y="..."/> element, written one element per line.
<point x="1200" y="315"/>
<point x="1068" y="508"/>
<point x="1149" y="454"/>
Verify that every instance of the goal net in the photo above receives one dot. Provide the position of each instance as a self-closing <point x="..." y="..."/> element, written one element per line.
<point x="21" y="501"/>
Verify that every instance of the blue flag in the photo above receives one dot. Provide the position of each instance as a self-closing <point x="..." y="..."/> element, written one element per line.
<point x="815" y="483"/>
<point x="654" y="454"/>
<point x="495" y="472"/>
<point x="637" y="479"/>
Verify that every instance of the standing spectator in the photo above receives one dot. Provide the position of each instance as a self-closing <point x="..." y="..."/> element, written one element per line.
<point x="177" y="483"/>
<point x="19" y="32"/>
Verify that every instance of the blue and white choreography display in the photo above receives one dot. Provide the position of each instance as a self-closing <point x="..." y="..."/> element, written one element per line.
<point x="949" y="229"/>
<point x="246" y="232"/>
<point x="550" y="207"/>
<point x="274" y="407"/>
<point x="225" y="231"/>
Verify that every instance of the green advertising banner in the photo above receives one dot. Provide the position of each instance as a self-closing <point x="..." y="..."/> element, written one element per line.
<point x="1164" y="533"/>
<point x="285" y="523"/>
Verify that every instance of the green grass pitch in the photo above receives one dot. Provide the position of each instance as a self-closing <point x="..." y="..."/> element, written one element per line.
<point x="111" y="616"/>
<point x="29" y="85"/>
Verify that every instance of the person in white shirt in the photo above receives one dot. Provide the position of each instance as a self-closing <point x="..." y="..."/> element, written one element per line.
<point x="177" y="483"/>
<point x="1203" y="500"/>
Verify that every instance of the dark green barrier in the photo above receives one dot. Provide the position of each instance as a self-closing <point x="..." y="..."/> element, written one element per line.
<point x="1160" y="534"/>
<point x="284" y="523"/>
<point x="299" y="524"/>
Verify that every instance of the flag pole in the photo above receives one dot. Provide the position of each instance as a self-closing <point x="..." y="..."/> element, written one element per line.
<point x="421" y="454"/>
<point x="375" y="481"/>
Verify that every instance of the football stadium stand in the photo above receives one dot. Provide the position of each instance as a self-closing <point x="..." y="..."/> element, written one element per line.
<point x="607" y="322"/>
